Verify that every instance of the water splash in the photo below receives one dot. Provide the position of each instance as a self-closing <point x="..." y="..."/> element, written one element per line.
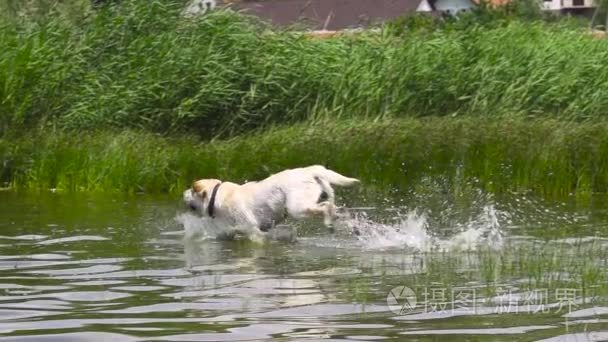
<point x="198" y="228"/>
<point x="409" y="231"/>
<point x="483" y="230"/>
<point x="412" y="231"/>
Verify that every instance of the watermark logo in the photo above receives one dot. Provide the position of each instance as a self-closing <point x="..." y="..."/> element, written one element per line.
<point x="401" y="300"/>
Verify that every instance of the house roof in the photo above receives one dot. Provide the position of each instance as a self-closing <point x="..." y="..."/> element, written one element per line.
<point x="327" y="14"/>
<point x="493" y="3"/>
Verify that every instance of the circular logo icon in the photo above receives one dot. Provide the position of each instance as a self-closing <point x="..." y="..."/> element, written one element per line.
<point x="401" y="300"/>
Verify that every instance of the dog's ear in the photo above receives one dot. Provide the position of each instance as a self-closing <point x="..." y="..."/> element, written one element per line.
<point x="197" y="186"/>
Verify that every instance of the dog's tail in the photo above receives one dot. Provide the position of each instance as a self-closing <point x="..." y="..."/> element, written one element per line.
<point x="332" y="177"/>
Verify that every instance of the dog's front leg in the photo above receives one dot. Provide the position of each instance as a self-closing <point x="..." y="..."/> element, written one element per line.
<point x="252" y="225"/>
<point x="249" y="219"/>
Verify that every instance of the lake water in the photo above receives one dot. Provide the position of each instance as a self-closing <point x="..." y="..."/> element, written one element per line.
<point x="116" y="268"/>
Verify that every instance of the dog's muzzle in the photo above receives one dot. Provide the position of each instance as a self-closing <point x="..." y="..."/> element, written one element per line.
<point x="194" y="206"/>
<point x="190" y="201"/>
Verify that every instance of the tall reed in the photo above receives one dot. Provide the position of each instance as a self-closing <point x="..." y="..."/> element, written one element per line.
<point x="141" y="65"/>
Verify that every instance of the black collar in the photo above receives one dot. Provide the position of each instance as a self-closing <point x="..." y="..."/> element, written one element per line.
<point x="211" y="206"/>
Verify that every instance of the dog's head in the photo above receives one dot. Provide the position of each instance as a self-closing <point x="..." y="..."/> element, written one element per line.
<point x="197" y="197"/>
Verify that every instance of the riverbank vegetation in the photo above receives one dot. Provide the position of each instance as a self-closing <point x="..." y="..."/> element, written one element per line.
<point x="134" y="97"/>
<point x="551" y="157"/>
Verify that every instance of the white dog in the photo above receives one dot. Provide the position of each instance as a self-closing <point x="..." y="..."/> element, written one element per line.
<point x="258" y="206"/>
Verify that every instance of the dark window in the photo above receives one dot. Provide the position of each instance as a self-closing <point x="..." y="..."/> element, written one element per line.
<point x="578" y="2"/>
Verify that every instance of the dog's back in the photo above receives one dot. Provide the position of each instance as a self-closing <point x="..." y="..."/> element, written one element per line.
<point x="309" y="173"/>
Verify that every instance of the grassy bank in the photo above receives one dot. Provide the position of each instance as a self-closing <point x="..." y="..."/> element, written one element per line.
<point x="549" y="157"/>
<point x="143" y="66"/>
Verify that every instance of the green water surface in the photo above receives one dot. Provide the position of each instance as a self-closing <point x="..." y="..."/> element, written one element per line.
<point x="80" y="267"/>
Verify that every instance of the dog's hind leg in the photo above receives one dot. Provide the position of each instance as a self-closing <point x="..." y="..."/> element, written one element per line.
<point x="325" y="210"/>
<point x="315" y="199"/>
<point x="326" y="200"/>
<point x="329" y="213"/>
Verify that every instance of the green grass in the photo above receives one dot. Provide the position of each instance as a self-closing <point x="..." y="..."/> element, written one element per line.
<point x="142" y="66"/>
<point x="549" y="157"/>
<point x="37" y="10"/>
